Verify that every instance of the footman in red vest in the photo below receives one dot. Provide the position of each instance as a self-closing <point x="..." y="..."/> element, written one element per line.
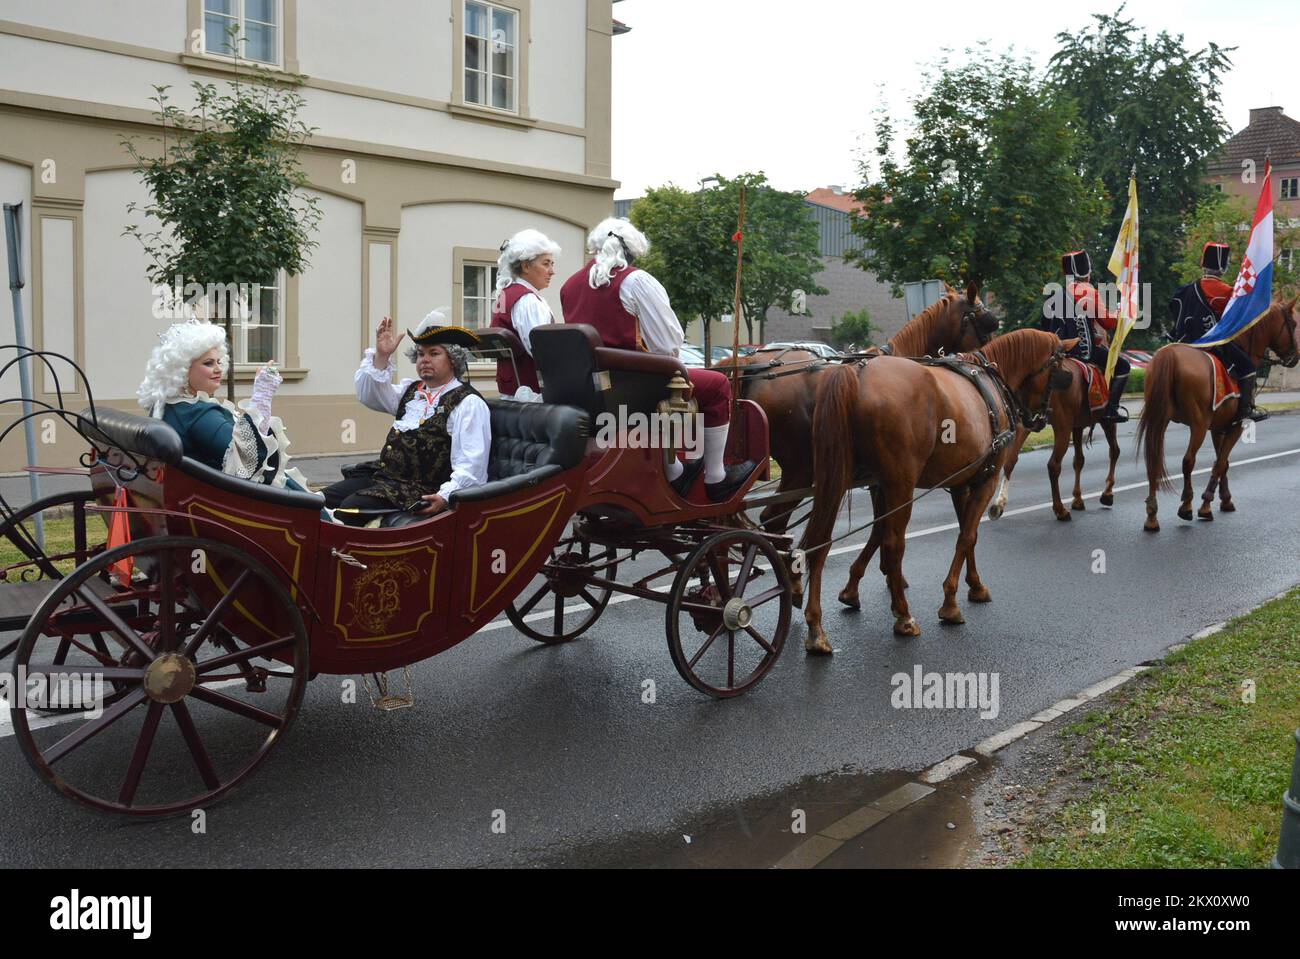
<point x="630" y="310"/>
<point x="525" y="268"/>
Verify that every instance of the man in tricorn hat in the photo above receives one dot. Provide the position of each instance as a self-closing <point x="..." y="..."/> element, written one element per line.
<point x="1197" y="307"/>
<point x="1083" y="313"/>
<point x="441" y="433"/>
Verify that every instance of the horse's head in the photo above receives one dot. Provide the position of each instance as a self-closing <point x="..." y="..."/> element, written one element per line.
<point x="1033" y="366"/>
<point x="972" y="323"/>
<point x="1283" y="340"/>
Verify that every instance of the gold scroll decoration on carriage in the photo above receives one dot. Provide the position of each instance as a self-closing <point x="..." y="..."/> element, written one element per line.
<point x="388" y="599"/>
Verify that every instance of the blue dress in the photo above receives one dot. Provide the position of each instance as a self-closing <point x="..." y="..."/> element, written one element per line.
<point x="209" y="433"/>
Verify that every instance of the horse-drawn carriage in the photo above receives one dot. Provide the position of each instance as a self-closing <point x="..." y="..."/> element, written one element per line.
<point x="227" y="596"/>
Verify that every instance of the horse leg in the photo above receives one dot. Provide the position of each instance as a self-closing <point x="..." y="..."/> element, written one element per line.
<point x="1206" y="512"/>
<point x="849" y="594"/>
<point x="972" y="506"/>
<point x="892" y="544"/>
<point x="1077" y="502"/>
<point x="1189" y="464"/>
<point x="815" y="641"/>
<point x="1060" y="443"/>
<point x="1225" y="495"/>
<point x="1223" y="444"/>
<point x="1112" y="441"/>
<point x="1004" y="486"/>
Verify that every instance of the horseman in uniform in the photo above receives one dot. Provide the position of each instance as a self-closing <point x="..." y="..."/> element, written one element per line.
<point x="1197" y="307"/>
<point x="1086" y="318"/>
<point x="630" y="310"/>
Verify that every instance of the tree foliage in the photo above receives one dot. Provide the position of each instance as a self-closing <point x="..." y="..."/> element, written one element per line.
<point x="693" y="253"/>
<point x="1149" y="103"/>
<point x="222" y="184"/>
<point x="985" y="189"/>
<point x="854" y="329"/>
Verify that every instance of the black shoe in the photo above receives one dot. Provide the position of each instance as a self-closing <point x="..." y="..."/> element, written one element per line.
<point x="1120" y="415"/>
<point x="682" y="485"/>
<point x="733" y="480"/>
<point x="1247" y="410"/>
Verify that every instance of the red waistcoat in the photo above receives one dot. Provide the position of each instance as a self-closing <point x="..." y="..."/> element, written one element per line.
<point x="1216" y="293"/>
<point x="601" y="308"/>
<point x="507" y="384"/>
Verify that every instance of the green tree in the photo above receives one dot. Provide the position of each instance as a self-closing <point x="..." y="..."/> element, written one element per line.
<point x="692" y="251"/>
<point x="854" y="328"/>
<point x="222" y="187"/>
<point x="1149" y="103"/>
<point x="985" y="190"/>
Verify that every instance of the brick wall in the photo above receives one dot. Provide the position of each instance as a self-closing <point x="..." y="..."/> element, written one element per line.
<point x="848" y="289"/>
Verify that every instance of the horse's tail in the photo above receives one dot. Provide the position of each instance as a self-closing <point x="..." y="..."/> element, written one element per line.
<point x="1161" y="381"/>
<point x="832" y="442"/>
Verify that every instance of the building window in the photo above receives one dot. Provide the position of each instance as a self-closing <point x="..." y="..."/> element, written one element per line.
<point x="478" y="292"/>
<point x="1290" y="187"/>
<point x="258" y="340"/>
<point x="1286" y="259"/>
<point x="491" y="55"/>
<point x="257" y="23"/>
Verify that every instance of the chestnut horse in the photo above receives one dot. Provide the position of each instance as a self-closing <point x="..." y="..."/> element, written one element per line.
<point x="1070" y="416"/>
<point x="1180" y="388"/>
<point x="897" y="426"/>
<point x="784" y="384"/>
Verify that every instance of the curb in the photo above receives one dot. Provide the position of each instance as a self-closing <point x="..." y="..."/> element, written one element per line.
<point x="820" y="846"/>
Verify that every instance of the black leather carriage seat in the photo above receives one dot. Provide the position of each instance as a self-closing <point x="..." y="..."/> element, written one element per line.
<point x="531" y="442"/>
<point x="153" y="439"/>
<point x="577" y="369"/>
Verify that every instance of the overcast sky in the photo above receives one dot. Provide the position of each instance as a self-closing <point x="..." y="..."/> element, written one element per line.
<point x="702" y="86"/>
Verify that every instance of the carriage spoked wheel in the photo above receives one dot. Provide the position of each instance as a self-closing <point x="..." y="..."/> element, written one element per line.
<point x="208" y="657"/>
<point x="727" y="616"/>
<point x="565" y="577"/>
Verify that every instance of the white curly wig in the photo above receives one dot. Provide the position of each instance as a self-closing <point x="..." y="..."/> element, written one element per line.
<point x="167" y="373"/>
<point x="524" y="246"/>
<point x="616" y="244"/>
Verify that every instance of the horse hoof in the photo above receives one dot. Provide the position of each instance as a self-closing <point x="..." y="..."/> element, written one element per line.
<point x="850" y="600"/>
<point x="995" y="512"/>
<point x="1064" y="517"/>
<point x="1205" y="515"/>
<point x="1151" y="526"/>
<point x="1079" y="505"/>
<point x="907" y="627"/>
<point x="980" y="595"/>
<point x="1227" y="506"/>
<point x="951" y="616"/>
<point x="818" y="646"/>
<point x="1185" y="512"/>
<point x="1107" y="499"/>
<point x="797" y="600"/>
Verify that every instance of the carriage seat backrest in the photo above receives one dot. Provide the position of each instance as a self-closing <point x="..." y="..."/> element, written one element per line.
<point x="531" y="442"/>
<point x="152" y="439"/>
<point x="142" y="436"/>
<point x="577" y="369"/>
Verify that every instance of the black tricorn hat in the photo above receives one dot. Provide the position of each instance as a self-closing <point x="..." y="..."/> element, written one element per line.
<point x="431" y="330"/>
<point x="1076" y="264"/>
<point x="1215" y="256"/>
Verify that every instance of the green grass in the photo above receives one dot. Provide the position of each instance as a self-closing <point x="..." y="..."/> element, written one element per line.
<point x="1188" y="774"/>
<point x="58" y="539"/>
<point x="1036" y="441"/>
<point x="1279" y="407"/>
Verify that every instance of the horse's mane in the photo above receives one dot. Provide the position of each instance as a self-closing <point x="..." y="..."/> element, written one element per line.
<point x="913" y="338"/>
<point x="1018" y="352"/>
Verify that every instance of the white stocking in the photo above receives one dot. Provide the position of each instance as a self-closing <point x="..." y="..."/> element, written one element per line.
<point x="715" y="444"/>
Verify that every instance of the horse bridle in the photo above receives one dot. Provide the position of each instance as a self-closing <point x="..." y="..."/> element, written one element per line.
<point x="969" y="317"/>
<point x="1036" y="420"/>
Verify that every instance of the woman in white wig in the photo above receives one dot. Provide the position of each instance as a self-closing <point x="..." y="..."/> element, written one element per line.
<point x="630" y="310"/>
<point x="525" y="268"/>
<point x="180" y="387"/>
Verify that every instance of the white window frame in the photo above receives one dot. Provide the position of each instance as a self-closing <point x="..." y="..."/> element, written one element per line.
<point x="486" y="300"/>
<point x="241" y="19"/>
<point x="1294" y="182"/>
<point x="241" y="327"/>
<point x="488" y="74"/>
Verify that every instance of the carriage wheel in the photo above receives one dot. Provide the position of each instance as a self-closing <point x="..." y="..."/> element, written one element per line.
<point x="234" y="666"/>
<point x="564" y="577"/>
<point x="724" y="630"/>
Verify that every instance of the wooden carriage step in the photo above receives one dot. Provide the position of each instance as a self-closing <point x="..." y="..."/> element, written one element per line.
<point x="18" y="600"/>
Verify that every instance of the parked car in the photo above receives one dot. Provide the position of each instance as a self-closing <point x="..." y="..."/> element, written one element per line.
<point x="691" y="355"/>
<point x="1138" y="359"/>
<point x="821" y="349"/>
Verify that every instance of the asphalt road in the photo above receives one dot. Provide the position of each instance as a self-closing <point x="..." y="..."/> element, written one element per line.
<point x="558" y="744"/>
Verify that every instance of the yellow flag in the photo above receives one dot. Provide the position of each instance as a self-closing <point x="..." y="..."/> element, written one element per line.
<point x="1124" y="267"/>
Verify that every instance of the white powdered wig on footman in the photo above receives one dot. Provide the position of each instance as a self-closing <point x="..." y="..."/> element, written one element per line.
<point x="616" y="243"/>
<point x="523" y="247"/>
<point x="167" y="373"/>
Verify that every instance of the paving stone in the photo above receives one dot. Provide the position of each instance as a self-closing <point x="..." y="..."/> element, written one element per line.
<point x="808" y="853"/>
<point x="903" y="796"/>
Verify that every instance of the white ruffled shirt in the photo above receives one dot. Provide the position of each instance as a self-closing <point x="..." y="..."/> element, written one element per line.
<point x="528" y="313"/>
<point x="470" y="423"/>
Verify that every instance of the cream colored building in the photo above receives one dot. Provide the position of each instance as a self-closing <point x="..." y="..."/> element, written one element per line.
<point x="444" y="126"/>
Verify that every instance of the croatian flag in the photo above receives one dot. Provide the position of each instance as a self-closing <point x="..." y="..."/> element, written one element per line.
<point x="1253" y="293"/>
